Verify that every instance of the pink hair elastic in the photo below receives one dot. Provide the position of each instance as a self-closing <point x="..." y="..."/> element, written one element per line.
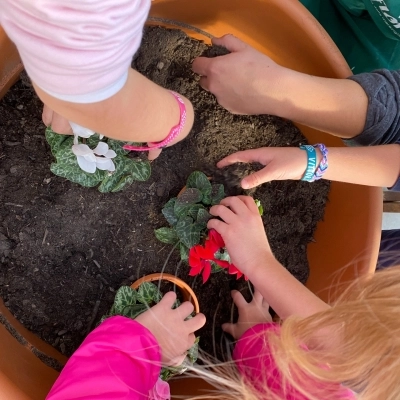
<point x="175" y="131"/>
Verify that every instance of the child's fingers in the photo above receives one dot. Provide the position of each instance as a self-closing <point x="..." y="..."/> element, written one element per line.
<point x="200" y="66"/>
<point x="47" y="115"/>
<point x="185" y="309"/>
<point x="168" y="300"/>
<point x="153" y="154"/>
<point x="230" y="42"/>
<point x="250" y="203"/>
<point x="235" y="203"/>
<point x="223" y="212"/>
<point x="219" y="226"/>
<point x="229" y="328"/>
<point x="257" y="178"/>
<point x="257" y="297"/>
<point x="246" y="156"/>
<point x="177" y="361"/>
<point x="238" y="299"/>
<point x="195" y="323"/>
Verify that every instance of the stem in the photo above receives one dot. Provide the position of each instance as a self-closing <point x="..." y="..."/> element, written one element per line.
<point x="166" y="262"/>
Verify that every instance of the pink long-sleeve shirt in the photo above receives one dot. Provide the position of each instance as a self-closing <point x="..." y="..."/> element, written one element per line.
<point x="253" y="358"/>
<point x="76" y="50"/>
<point x="121" y="360"/>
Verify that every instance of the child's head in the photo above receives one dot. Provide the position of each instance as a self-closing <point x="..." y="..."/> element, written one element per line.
<point x="356" y="342"/>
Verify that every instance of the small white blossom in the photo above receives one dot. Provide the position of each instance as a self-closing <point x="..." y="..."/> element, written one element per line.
<point x="80" y="131"/>
<point x="100" y="157"/>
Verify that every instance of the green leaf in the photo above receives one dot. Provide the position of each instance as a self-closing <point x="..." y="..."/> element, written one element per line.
<point x="193" y="211"/>
<point x="216" y="268"/>
<point x="55" y="140"/>
<point x="126" y="171"/>
<point x="176" y="304"/>
<point x="169" y="372"/>
<point x="188" y="231"/>
<point x="93" y="141"/>
<point x="200" y="181"/>
<point x="190" y="196"/>
<point x="193" y="352"/>
<point x="134" y="310"/>
<point x="217" y="193"/>
<point x="67" y="167"/>
<point x="202" y="217"/>
<point x="166" y="235"/>
<point x="124" y="181"/>
<point x="116" y="145"/>
<point x="259" y="206"/>
<point x="139" y="169"/>
<point x="184" y="250"/>
<point x="148" y="293"/>
<point x="125" y="296"/>
<point x="169" y="213"/>
<point x="181" y="210"/>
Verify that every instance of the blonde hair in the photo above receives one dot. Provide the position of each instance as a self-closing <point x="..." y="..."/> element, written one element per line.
<point x="356" y="342"/>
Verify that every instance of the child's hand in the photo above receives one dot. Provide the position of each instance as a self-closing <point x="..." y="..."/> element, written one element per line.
<point x="58" y="123"/>
<point x="245" y="81"/>
<point x="243" y="232"/>
<point x="174" y="335"/>
<point x="250" y="314"/>
<point x="281" y="163"/>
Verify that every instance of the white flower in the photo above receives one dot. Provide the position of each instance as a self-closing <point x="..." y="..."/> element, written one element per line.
<point x="100" y="157"/>
<point x="80" y="131"/>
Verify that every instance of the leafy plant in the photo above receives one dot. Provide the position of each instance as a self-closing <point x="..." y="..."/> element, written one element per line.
<point x="188" y="213"/>
<point x="131" y="303"/>
<point x="126" y="171"/>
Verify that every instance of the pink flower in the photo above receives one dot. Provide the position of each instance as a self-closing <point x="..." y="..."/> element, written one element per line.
<point x="160" y="391"/>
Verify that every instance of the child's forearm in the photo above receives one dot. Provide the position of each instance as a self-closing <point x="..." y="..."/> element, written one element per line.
<point x="372" y="166"/>
<point x="337" y="106"/>
<point x="140" y="112"/>
<point x="284" y="293"/>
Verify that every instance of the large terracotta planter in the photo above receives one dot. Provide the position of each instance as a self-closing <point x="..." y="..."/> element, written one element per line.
<point x="346" y="242"/>
<point x="10" y="63"/>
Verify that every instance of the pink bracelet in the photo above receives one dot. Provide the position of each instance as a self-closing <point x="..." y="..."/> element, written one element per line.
<point x="175" y="131"/>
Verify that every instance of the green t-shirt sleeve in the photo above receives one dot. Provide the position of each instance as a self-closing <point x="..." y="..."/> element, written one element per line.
<point x="384" y="13"/>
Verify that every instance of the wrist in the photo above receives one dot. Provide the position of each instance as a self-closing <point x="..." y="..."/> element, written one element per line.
<point x="281" y="93"/>
<point x="259" y="264"/>
<point x="188" y="124"/>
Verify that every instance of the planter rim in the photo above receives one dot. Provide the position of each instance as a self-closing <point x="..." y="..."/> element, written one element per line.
<point x="187" y="292"/>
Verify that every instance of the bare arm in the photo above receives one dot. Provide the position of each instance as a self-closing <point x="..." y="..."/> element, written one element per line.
<point x="248" y="82"/>
<point x="284" y="293"/>
<point x="244" y="235"/>
<point x="372" y="166"/>
<point x="140" y="112"/>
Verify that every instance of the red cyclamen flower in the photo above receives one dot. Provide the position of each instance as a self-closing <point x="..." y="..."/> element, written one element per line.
<point x="200" y="257"/>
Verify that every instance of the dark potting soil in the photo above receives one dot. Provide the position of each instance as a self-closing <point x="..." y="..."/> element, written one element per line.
<point x="65" y="249"/>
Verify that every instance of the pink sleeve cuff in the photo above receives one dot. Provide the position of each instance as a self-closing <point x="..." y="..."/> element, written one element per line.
<point x="120" y="360"/>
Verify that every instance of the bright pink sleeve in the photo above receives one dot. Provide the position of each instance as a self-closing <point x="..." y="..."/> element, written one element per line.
<point x="118" y="360"/>
<point x="76" y="50"/>
<point x="255" y="362"/>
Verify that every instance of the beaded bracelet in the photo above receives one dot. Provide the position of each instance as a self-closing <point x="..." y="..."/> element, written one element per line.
<point x="313" y="173"/>
<point x="174" y="132"/>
